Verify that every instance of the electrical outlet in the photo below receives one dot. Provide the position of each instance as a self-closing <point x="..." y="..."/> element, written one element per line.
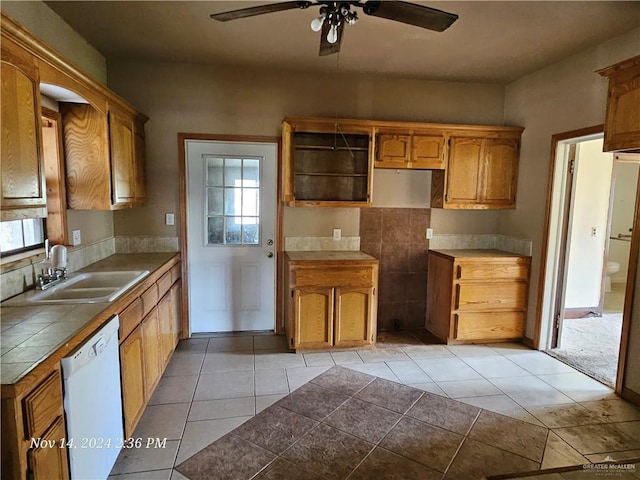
<point x="76" y="238"/>
<point x="594" y="231"/>
<point x="169" y="219"/>
<point x="429" y="233"/>
<point x="337" y="233"/>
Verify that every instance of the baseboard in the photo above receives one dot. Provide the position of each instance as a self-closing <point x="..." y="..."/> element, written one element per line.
<point x="528" y="342"/>
<point x="582" y="312"/>
<point x="630" y="396"/>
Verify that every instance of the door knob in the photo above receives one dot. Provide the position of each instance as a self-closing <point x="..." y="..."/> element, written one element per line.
<point x="269" y="254"/>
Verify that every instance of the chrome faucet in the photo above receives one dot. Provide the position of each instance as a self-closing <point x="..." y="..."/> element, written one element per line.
<point x="56" y="271"/>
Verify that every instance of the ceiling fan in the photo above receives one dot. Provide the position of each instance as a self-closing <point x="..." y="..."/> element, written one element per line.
<point x="334" y="15"/>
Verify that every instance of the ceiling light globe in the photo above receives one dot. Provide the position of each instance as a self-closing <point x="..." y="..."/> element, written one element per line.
<point x="316" y="23"/>
<point x="332" y="34"/>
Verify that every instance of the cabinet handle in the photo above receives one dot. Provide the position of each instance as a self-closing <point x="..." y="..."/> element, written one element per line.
<point x="459" y="271"/>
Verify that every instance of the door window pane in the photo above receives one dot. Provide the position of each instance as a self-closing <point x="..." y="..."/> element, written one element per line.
<point x="233" y="201"/>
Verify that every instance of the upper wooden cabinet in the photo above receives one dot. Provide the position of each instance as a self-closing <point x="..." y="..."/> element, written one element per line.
<point x="103" y="138"/>
<point x="23" y="188"/>
<point x="326" y="163"/>
<point x="104" y="158"/>
<point x="622" y="124"/>
<point x="414" y="150"/>
<point x="329" y="162"/>
<point x="481" y="172"/>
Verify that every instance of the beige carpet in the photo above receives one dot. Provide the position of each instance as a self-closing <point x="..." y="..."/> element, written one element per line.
<point x="591" y="345"/>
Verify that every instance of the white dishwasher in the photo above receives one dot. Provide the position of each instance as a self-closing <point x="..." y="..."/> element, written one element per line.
<point x="93" y="404"/>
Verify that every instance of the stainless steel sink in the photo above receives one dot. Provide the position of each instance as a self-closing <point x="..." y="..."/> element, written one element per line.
<point x="90" y="287"/>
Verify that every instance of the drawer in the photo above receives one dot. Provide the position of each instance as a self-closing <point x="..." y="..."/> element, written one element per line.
<point x="490" y="296"/>
<point x="512" y="268"/>
<point x="43" y="406"/>
<point x="332" y="277"/>
<point x="149" y="299"/>
<point x="488" y="326"/>
<point x="176" y="273"/>
<point x="164" y="284"/>
<point x="130" y="318"/>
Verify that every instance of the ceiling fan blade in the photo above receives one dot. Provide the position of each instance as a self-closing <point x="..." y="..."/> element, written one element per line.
<point x="259" y="10"/>
<point x="327" y="48"/>
<point x="410" y="13"/>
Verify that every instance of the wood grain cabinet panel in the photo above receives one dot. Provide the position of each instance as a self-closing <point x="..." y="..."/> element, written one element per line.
<point x="46" y="463"/>
<point x="410" y="151"/>
<point x="23" y="190"/>
<point x="339" y="309"/>
<point x="43" y="405"/>
<point x="481" y="172"/>
<point x="476" y="296"/>
<point x="622" y="123"/>
<point x="153" y="365"/>
<point x="103" y="157"/>
<point x="133" y="381"/>
<point x="313" y="317"/>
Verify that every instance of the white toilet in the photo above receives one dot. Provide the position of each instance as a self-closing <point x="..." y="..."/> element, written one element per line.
<point x="612" y="267"/>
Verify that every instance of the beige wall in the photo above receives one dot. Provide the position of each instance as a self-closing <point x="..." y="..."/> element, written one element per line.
<point x="559" y="98"/>
<point x="209" y="99"/>
<point x="47" y="25"/>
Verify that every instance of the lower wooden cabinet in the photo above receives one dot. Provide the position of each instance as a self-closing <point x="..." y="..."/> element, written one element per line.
<point x="475" y="296"/>
<point x="133" y="380"/>
<point x="153" y="365"/>
<point x="333" y="299"/>
<point x="145" y="352"/>
<point x="45" y="462"/>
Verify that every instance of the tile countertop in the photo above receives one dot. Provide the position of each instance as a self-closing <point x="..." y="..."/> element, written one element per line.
<point x="31" y="333"/>
<point x="329" y="255"/>
<point x="476" y="253"/>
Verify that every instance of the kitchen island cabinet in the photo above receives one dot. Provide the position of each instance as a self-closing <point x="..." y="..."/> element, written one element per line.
<point x="476" y="296"/>
<point x="332" y="299"/>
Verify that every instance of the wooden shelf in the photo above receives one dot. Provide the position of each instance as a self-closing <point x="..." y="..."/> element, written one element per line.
<point x="331" y="148"/>
<point x="327" y="174"/>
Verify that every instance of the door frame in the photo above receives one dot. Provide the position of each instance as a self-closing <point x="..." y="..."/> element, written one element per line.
<point x="183" y="244"/>
<point x="546" y="280"/>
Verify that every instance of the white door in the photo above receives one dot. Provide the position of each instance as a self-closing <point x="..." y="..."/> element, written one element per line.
<point x="231" y="217"/>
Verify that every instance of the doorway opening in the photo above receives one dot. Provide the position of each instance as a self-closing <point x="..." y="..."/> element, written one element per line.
<point x="592" y="211"/>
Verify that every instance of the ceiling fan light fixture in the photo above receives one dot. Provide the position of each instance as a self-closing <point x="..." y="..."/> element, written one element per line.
<point x="316" y="23"/>
<point x="332" y="34"/>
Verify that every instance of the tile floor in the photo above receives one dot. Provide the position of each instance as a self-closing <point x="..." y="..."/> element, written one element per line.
<point x="213" y="385"/>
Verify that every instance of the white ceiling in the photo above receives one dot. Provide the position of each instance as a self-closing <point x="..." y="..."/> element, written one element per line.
<point x="496" y="41"/>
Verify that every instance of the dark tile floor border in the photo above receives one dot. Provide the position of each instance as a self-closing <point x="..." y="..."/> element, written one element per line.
<point x="346" y="423"/>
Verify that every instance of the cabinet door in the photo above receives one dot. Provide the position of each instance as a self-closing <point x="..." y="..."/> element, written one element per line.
<point x="47" y="463"/>
<point x="313" y="313"/>
<point x="427" y="152"/>
<point x="132" y="378"/>
<point x="123" y="172"/>
<point x="353" y="316"/>
<point x="393" y="151"/>
<point x="165" y="312"/>
<point x="151" y="348"/>
<point x="176" y="314"/>
<point x="22" y="184"/>
<point x="463" y="176"/>
<point x="500" y="171"/>
<point x="86" y="147"/>
<point x="622" y="124"/>
<point x="140" y="162"/>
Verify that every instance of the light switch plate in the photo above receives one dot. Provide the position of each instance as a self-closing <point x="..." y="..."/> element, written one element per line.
<point x="429" y="233"/>
<point x="76" y="238"/>
<point x="169" y="219"/>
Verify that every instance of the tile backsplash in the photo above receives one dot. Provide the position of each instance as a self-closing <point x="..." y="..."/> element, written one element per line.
<point x="306" y="244"/>
<point x="520" y="246"/>
<point x="142" y="244"/>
